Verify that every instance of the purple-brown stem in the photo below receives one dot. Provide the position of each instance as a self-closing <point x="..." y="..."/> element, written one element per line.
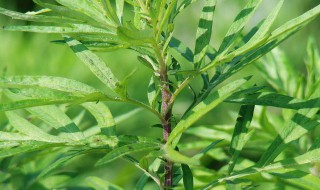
<point x="166" y="124"/>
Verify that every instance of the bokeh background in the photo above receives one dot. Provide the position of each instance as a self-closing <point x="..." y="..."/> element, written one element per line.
<point x="34" y="54"/>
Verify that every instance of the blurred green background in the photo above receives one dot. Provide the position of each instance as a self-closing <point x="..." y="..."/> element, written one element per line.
<point x="34" y="54"/>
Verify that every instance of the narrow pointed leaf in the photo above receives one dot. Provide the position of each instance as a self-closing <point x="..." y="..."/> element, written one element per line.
<point x="36" y="18"/>
<point x="240" y="134"/>
<point x="55" y="83"/>
<point x="27" y="128"/>
<point x="187" y="177"/>
<point x="99" y="184"/>
<point x="23" y="148"/>
<point x="103" y="116"/>
<point x="125" y="150"/>
<point x="203" y="108"/>
<point x="238" y="24"/>
<point x="72" y="29"/>
<point x="120" y="7"/>
<point x="276" y="100"/>
<point x="204" y="31"/>
<point x="95" y="64"/>
<point x="57" y="119"/>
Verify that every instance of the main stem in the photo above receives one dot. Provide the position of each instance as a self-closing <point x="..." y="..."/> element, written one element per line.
<point x="166" y="124"/>
<point x="166" y="112"/>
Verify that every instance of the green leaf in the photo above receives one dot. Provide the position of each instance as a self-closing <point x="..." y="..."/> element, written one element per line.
<point x="238" y="25"/>
<point x="37" y="18"/>
<point x="56" y="118"/>
<point x="203" y="108"/>
<point x="75" y="88"/>
<point x="297" y="178"/>
<point x="95" y="64"/>
<point x="240" y="135"/>
<point x="103" y="116"/>
<point x="125" y="150"/>
<point x="299" y="125"/>
<point x="27" y="128"/>
<point x="180" y="51"/>
<point x="86" y="7"/>
<point x="260" y="36"/>
<point x="152" y="92"/>
<point x="134" y="36"/>
<point x="72" y="29"/>
<point x="187" y="177"/>
<point x="141" y="182"/>
<point x="57" y="163"/>
<point x="204" y="31"/>
<point x="100" y="184"/>
<point x="28" y="146"/>
<point x="120" y="7"/>
<point x="124" y="117"/>
<point x="295" y="23"/>
<point x="275" y="100"/>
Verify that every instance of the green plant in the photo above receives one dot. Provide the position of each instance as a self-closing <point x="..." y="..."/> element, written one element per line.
<point x="146" y="27"/>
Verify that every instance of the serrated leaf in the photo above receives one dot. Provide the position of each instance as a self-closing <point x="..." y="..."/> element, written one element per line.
<point x="187" y="177"/>
<point x="240" y="135"/>
<point x="204" y="31"/>
<point x="203" y="108"/>
<point x="125" y="150"/>
<point x="103" y="116"/>
<point x="95" y="64"/>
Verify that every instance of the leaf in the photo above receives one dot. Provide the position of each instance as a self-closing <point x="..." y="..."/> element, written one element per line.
<point x="57" y="163"/>
<point x="124" y="117"/>
<point x="203" y="108"/>
<point x="141" y="182"/>
<point x="180" y="51"/>
<point x="23" y="148"/>
<point x="299" y="125"/>
<point x="187" y="177"/>
<point x="120" y="7"/>
<point x="54" y="117"/>
<point x="240" y="135"/>
<point x="55" y="83"/>
<point x="72" y="29"/>
<point x="306" y="158"/>
<point x="152" y="93"/>
<point x="99" y="184"/>
<point x="206" y="149"/>
<point x="238" y="25"/>
<point x="95" y="64"/>
<point x="37" y="18"/>
<point x="298" y="178"/>
<point x="87" y="8"/>
<point x="276" y="100"/>
<point x="125" y="150"/>
<point x="134" y="36"/>
<point x="204" y="31"/>
<point x="261" y="33"/>
<point x="27" y="128"/>
<point x="103" y="116"/>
